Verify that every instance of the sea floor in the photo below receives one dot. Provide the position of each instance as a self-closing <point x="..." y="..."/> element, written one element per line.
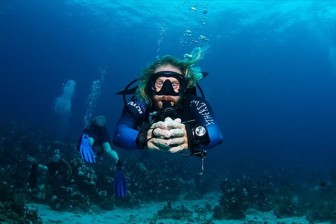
<point x="146" y="213"/>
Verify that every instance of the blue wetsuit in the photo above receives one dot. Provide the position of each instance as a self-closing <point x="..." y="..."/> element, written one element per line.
<point x="192" y="108"/>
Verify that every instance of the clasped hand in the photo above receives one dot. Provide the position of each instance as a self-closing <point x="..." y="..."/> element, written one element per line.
<point x="168" y="135"/>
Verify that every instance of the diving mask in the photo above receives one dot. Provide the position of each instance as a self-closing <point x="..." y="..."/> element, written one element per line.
<point x="167" y="87"/>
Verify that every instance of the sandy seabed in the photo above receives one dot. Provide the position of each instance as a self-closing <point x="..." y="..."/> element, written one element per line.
<point x="146" y="213"/>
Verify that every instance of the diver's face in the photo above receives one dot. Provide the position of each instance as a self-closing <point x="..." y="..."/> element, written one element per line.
<point x="159" y="82"/>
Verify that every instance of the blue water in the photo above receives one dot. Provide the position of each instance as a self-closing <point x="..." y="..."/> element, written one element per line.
<point x="272" y="68"/>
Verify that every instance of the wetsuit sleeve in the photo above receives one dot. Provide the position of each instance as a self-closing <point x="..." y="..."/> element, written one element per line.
<point x="201" y="111"/>
<point x="126" y="131"/>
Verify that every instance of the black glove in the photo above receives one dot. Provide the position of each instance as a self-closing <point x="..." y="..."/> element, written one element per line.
<point x="141" y="139"/>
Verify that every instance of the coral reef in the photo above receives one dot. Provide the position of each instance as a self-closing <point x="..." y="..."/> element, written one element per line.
<point x="10" y="213"/>
<point x="233" y="203"/>
<point x="13" y="206"/>
<point x="321" y="205"/>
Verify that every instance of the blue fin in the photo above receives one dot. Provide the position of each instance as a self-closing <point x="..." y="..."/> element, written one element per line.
<point x="120" y="184"/>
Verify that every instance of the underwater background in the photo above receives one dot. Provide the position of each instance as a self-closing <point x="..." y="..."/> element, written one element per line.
<point x="272" y="66"/>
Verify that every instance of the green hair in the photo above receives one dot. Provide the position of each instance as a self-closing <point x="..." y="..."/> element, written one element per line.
<point x="186" y="66"/>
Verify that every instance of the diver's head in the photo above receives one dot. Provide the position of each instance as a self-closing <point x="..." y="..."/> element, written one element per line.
<point x="56" y="157"/>
<point x="175" y="75"/>
<point x="166" y="85"/>
<point x="99" y="121"/>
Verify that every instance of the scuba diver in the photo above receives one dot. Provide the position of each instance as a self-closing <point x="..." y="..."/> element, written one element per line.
<point x="165" y="114"/>
<point x="58" y="169"/>
<point x="94" y="141"/>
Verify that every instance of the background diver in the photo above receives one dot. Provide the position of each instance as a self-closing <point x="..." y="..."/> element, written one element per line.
<point x="58" y="169"/>
<point x="94" y="141"/>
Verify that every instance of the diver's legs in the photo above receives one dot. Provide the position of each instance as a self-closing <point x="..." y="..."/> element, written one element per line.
<point x="110" y="152"/>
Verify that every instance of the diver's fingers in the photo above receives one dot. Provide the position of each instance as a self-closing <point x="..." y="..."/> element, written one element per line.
<point x="168" y="120"/>
<point x="178" y="144"/>
<point x="162" y="144"/>
<point x="177" y="141"/>
<point x="151" y="145"/>
<point x="163" y="133"/>
<point x="174" y="124"/>
<point x="178" y="148"/>
<point x="178" y="120"/>
<point x="177" y="123"/>
<point x="177" y="132"/>
<point x="159" y="124"/>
